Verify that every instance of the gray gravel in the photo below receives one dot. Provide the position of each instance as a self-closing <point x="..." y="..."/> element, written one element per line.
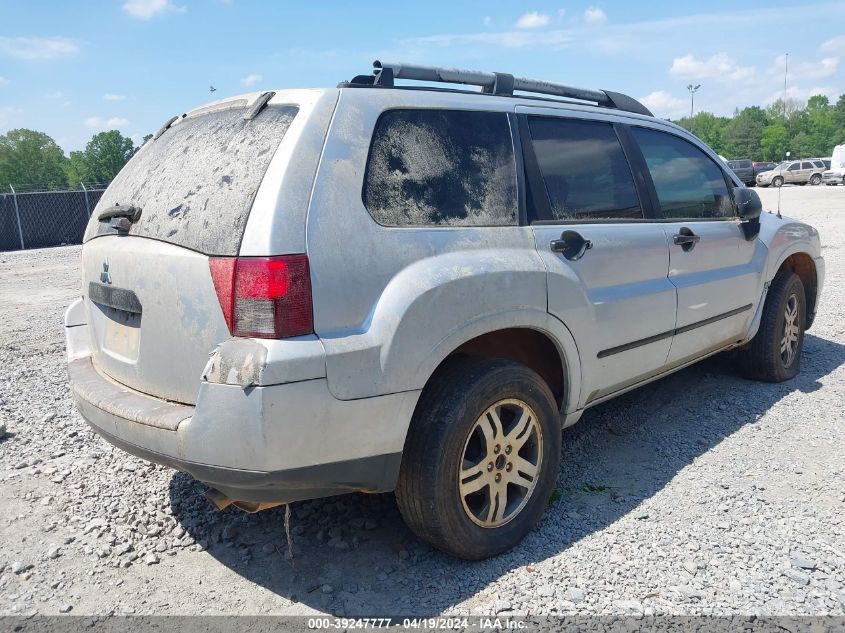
<point x="700" y="494"/>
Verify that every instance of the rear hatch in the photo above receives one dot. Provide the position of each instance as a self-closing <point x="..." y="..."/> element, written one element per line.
<point x="153" y="311"/>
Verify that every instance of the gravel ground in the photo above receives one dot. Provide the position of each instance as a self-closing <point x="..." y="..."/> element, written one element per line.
<point x="702" y="493"/>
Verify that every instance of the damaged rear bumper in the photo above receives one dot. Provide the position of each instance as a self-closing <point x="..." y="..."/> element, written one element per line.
<point x="272" y="443"/>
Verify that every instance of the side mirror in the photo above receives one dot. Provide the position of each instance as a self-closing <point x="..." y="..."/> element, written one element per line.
<point x="749" y="208"/>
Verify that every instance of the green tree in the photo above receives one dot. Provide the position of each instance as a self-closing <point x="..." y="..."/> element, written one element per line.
<point x="818" y="125"/>
<point x="740" y="137"/>
<point x="774" y="142"/>
<point x="707" y="127"/>
<point x="838" y="117"/>
<point x="30" y="158"/>
<point x="105" y="155"/>
<point x="801" y="146"/>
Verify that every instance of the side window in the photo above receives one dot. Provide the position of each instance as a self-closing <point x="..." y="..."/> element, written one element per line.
<point x="688" y="183"/>
<point x="584" y="169"/>
<point x="819" y="164"/>
<point x="441" y="168"/>
<point x="794" y="167"/>
<point x="745" y="164"/>
<point x="806" y="165"/>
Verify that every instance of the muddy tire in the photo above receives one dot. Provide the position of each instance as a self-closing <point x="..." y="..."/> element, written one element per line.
<point x="481" y="457"/>
<point x="774" y="354"/>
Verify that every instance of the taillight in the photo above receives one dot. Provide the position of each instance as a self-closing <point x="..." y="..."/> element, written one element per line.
<point x="264" y="297"/>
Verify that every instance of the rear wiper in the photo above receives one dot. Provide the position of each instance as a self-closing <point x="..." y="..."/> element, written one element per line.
<point x="121" y="215"/>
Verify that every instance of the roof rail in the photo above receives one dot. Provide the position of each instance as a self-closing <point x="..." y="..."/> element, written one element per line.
<point x="494" y="83"/>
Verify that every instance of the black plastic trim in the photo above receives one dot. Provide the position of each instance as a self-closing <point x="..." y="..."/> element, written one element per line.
<point x="117" y="298"/>
<point x="521" y="181"/>
<point x="664" y="335"/>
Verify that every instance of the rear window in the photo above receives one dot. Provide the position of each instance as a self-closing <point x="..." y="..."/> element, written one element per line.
<point x="441" y="168"/>
<point x="195" y="184"/>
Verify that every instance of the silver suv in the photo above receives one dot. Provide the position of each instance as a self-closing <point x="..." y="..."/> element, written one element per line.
<point x="303" y="293"/>
<point x="795" y="172"/>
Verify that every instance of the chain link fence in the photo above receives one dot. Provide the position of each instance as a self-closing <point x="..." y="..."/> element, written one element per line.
<point x="36" y="219"/>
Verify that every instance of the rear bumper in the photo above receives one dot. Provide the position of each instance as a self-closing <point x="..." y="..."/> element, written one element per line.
<point x="279" y="443"/>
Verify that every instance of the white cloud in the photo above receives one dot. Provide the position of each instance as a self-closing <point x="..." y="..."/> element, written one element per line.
<point x="487" y="20"/>
<point x="148" y="9"/>
<point x="58" y="94"/>
<point x="720" y="67"/>
<point x="532" y="20"/>
<point x="805" y="70"/>
<point x="594" y="15"/>
<point x="100" y="123"/>
<point x="664" y="104"/>
<point x="36" y="48"/>
<point x="9" y="116"/>
<point x="835" y="45"/>
<point x="3" y="81"/>
<point x="251" y="79"/>
<point x="110" y="96"/>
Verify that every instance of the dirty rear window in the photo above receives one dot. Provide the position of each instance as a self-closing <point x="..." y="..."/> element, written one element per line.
<point x="195" y="184"/>
<point x="441" y="168"/>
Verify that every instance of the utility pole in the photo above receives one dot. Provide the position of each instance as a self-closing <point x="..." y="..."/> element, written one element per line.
<point x="692" y="90"/>
<point x="785" y="71"/>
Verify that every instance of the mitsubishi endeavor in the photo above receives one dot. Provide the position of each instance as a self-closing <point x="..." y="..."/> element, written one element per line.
<point x="378" y="287"/>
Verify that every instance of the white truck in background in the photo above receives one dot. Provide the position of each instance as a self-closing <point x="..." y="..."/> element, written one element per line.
<point x="836" y="174"/>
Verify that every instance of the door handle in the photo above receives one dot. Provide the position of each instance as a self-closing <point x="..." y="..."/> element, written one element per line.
<point x="686" y="239"/>
<point x="571" y="245"/>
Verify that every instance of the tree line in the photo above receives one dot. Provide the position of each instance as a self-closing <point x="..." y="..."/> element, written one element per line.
<point x="30" y="159"/>
<point x="808" y="130"/>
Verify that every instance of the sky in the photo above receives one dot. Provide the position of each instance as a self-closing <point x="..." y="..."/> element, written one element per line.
<point x="71" y="69"/>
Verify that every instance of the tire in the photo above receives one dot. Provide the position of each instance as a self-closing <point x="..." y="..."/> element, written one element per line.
<point x="764" y="358"/>
<point x="777" y="181"/>
<point x="815" y="179"/>
<point x="447" y="437"/>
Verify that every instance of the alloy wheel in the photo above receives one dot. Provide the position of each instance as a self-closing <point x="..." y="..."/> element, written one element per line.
<point x="501" y="463"/>
<point x="791" y="331"/>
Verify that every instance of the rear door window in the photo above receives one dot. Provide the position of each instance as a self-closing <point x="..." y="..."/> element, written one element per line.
<point x="584" y="169"/>
<point x="689" y="184"/>
<point x="195" y="184"/>
<point x="431" y="167"/>
<point x="806" y="165"/>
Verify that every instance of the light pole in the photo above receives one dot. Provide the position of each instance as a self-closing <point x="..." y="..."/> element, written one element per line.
<point x="692" y="90"/>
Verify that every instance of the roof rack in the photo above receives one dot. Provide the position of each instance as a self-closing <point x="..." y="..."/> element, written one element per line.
<point x="384" y="74"/>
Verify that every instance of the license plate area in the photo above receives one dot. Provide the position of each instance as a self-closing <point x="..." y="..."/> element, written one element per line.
<point x="119" y="320"/>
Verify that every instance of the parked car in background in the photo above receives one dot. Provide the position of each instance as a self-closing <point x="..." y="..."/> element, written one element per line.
<point x="761" y="166"/>
<point x="744" y="170"/>
<point x="835" y="174"/>
<point x="794" y="172"/>
<point x="302" y="293"/>
<point x="747" y="170"/>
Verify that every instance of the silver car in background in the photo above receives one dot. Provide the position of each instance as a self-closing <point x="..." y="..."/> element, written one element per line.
<point x="372" y="287"/>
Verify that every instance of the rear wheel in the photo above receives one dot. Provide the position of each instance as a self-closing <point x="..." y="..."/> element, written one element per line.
<point x="777" y="181"/>
<point x="815" y="179"/>
<point x="774" y="354"/>
<point x="481" y="457"/>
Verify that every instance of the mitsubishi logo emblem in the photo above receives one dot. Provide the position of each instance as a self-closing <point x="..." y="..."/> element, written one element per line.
<point x="105" y="276"/>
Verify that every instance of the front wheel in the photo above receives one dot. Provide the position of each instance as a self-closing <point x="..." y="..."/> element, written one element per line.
<point x="815" y="179"/>
<point x="481" y="457"/>
<point x="774" y="354"/>
<point x="777" y="182"/>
